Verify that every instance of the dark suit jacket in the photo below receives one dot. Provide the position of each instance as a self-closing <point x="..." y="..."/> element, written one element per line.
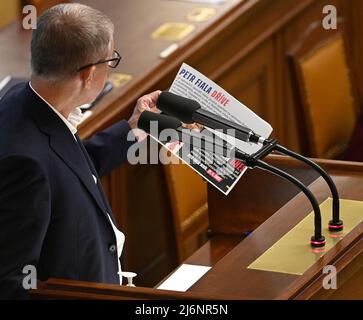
<point x="52" y="214"/>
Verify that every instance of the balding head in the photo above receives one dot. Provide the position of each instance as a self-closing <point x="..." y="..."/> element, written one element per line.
<point x="69" y="36"/>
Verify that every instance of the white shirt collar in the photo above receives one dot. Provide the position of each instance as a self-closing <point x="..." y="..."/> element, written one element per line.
<point x="74" y="118"/>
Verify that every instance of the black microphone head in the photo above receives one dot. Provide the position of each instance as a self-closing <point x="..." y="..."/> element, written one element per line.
<point x="177" y="106"/>
<point x="164" y="121"/>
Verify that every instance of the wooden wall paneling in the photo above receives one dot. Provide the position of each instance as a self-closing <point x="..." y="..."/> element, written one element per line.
<point x="278" y="79"/>
<point x="242" y="34"/>
<point x="244" y="37"/>
<point x="252" y="81"/>
<point x="9" y="11"/>
<point x="355" y="36"/>
<point x="354" y="29"/>
<point x="289" y="37"/>
<point x="42" y="5"/>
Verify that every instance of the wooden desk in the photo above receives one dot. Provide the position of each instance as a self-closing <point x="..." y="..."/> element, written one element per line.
<point x="78" y="290"/>
<point x="230" y="276"/>
<point x="242" y="48"/>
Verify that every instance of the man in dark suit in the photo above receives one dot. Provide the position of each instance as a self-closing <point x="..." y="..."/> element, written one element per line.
<point x="54" y="216"/>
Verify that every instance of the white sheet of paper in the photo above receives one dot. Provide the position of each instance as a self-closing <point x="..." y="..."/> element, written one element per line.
<point x="184" y="277"/>
<point x="192" y="84"/>
<point x="223" y="173"/>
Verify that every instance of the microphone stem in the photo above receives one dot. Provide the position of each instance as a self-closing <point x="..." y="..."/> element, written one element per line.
<point x="333" y="189"/>
<point x="317" y="216"/>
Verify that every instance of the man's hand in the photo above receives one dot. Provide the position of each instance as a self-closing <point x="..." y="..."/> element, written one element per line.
<point x="146" y="102"/>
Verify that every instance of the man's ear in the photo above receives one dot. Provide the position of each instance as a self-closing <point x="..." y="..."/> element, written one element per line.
<point x="87" y="76"/>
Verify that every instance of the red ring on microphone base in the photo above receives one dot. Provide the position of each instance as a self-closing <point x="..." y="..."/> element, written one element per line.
<point x="336" y="226"/>
<point x="317" y="243"/>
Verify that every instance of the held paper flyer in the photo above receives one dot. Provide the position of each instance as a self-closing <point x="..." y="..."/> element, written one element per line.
<point x="220" y="171"/>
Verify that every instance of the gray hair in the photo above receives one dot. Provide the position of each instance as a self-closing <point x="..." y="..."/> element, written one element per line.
<point x="67" y="37"/>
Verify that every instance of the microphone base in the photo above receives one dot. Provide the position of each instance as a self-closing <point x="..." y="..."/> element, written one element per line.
<point x="317" y="242"/>
<point x="336" y="226"/>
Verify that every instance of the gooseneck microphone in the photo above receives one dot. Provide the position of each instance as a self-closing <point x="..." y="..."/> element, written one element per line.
<point x="251" y="161"/>
<point x="190" y="111"/>
<point x="317" y="240"/>
<point x="163" y="121"/>
<point x="335" y="225"/>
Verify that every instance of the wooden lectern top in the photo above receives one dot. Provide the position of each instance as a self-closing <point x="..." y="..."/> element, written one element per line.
<point x="231" y="277"/>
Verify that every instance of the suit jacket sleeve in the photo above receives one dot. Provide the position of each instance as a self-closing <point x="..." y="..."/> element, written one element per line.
<point x="24" y="218"/>
<point x="108" y="148"/>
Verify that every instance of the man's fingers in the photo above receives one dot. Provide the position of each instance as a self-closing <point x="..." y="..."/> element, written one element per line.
<point x="153" y="96"/>
<point x="148" y="102"/>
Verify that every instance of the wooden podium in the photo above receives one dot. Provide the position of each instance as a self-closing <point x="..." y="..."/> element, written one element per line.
<point x="271" y="207"/>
